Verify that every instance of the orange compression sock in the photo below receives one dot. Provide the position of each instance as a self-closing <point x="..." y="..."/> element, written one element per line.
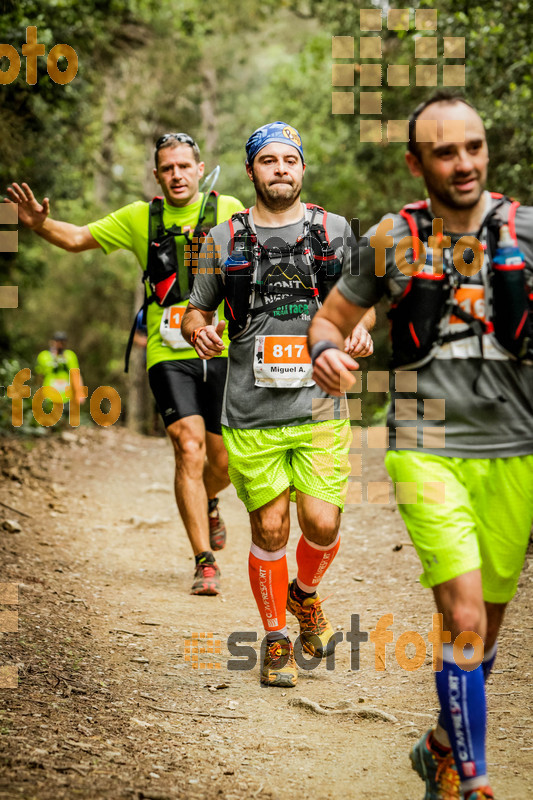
<point x="269" y="579"/>
<point x="313" y="561"/>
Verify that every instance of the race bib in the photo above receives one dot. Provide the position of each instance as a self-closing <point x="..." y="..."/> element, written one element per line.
<point x="282" y="362"/>
<point x="170" y="327"/>
<point x="472" y="300"/>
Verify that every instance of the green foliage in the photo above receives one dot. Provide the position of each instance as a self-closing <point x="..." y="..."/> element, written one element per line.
<point x="47" y="112"/>
<point x="499" y="80"/>
<point x="50" y="137"/>
<point x="217" y="70"/>
<point x="8" y="369"/>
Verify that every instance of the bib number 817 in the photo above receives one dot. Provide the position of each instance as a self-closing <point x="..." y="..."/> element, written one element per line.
<point x="278" y="351"/>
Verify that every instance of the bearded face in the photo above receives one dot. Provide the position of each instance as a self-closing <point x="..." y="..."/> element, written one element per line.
<point x="277" y="174"/>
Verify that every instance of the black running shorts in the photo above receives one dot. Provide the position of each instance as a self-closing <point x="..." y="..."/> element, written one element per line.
<point x="189" y="386"/>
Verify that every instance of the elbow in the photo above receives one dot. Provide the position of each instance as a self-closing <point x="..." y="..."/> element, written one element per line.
<point x="79" y="239"/>
<point x="75" y="245"/>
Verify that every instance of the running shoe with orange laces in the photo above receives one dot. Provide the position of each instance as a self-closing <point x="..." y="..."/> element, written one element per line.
<point x="279" y="666"/>
<point x="315" y="630"/>
<point x="481" y="793"/>
<point x="217" y="528"/>
<point x="436" y="769"/>
<point x="206" y="578"/>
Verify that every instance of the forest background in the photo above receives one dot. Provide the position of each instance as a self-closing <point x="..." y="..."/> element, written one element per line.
<point x="218" y="71"/>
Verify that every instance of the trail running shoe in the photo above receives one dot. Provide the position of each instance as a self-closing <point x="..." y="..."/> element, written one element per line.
<point x="439" y="772"/>
<point x="481" y="793"/>
<point x="206" y="579"/>
<point x="315" y="630"/>
<point x="217" y="528"/>
<point x="279" y="666"/>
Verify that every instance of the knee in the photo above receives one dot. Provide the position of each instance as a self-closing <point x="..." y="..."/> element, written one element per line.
<point x="188" y="448"/>
<point x="322" y="531"/>
<point x="470" y="617"/>
<point x="271" y="535"/>
<point x="271" y="540"/>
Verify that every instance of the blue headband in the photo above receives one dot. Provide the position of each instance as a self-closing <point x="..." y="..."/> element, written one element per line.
<point x="273" y="132"/>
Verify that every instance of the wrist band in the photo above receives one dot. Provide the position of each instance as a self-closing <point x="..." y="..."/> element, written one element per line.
<point x="319" y="347"/>
<point x="196" y="333"/>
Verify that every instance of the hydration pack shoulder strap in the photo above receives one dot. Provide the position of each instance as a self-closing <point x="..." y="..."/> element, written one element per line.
<point x="327" y="266"/>
<point x="162" y="265"/>
<point x="156" y="227"/>
<point x="417" y="317"/>
<point x="208" y="215"/>
<point x="415" y="220"/>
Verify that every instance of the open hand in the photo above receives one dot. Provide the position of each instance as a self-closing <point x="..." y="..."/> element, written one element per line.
<point x="31" y="212"/>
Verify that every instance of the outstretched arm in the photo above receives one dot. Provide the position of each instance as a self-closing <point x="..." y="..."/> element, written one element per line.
<point x="35" y="215"/>
<point x="329" y="328"/>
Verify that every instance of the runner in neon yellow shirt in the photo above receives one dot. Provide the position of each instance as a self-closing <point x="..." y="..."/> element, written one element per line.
<point x="187" y="391"/>
<point x="54" y="365"/>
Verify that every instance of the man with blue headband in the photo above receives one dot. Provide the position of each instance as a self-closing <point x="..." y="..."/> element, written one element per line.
<point x="273" y="265"/>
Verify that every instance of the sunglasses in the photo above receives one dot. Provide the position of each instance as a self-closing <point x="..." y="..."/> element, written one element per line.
<point x="183" y="138"/>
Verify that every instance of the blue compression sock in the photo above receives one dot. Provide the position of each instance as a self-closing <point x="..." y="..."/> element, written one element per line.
<point x="486" y="665"/>
<point x="464" y="713"/>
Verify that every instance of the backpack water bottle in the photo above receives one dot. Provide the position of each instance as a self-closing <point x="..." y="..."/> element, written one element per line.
<point x="237" y="268"/>
<point x="509" y="296"/>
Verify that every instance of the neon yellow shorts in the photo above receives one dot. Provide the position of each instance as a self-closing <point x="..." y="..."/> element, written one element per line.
<point x="312" y="458"/>
<point x="466" y="514"/>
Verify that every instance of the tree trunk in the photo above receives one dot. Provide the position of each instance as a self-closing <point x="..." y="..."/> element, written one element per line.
<point x="208" y="109"/>
<point x="105" y="158"/>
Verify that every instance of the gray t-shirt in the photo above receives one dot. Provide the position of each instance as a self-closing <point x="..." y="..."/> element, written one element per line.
<point x="488" y="403"/>
<point x="247" y="405"/>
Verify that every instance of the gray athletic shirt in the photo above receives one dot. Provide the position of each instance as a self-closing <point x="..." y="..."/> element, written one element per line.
<point x="245" y="404"/>
<point x="476" y="426"/>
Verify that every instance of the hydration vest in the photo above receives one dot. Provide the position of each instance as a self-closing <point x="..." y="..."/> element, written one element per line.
<point x="162" y="268"/>
<point x="419" y="319"/>
<point x="162" y="265"/>
<point x="242" y="281"/>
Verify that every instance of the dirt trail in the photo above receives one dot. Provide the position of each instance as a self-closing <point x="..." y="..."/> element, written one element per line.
<point x="108" y="703"/>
